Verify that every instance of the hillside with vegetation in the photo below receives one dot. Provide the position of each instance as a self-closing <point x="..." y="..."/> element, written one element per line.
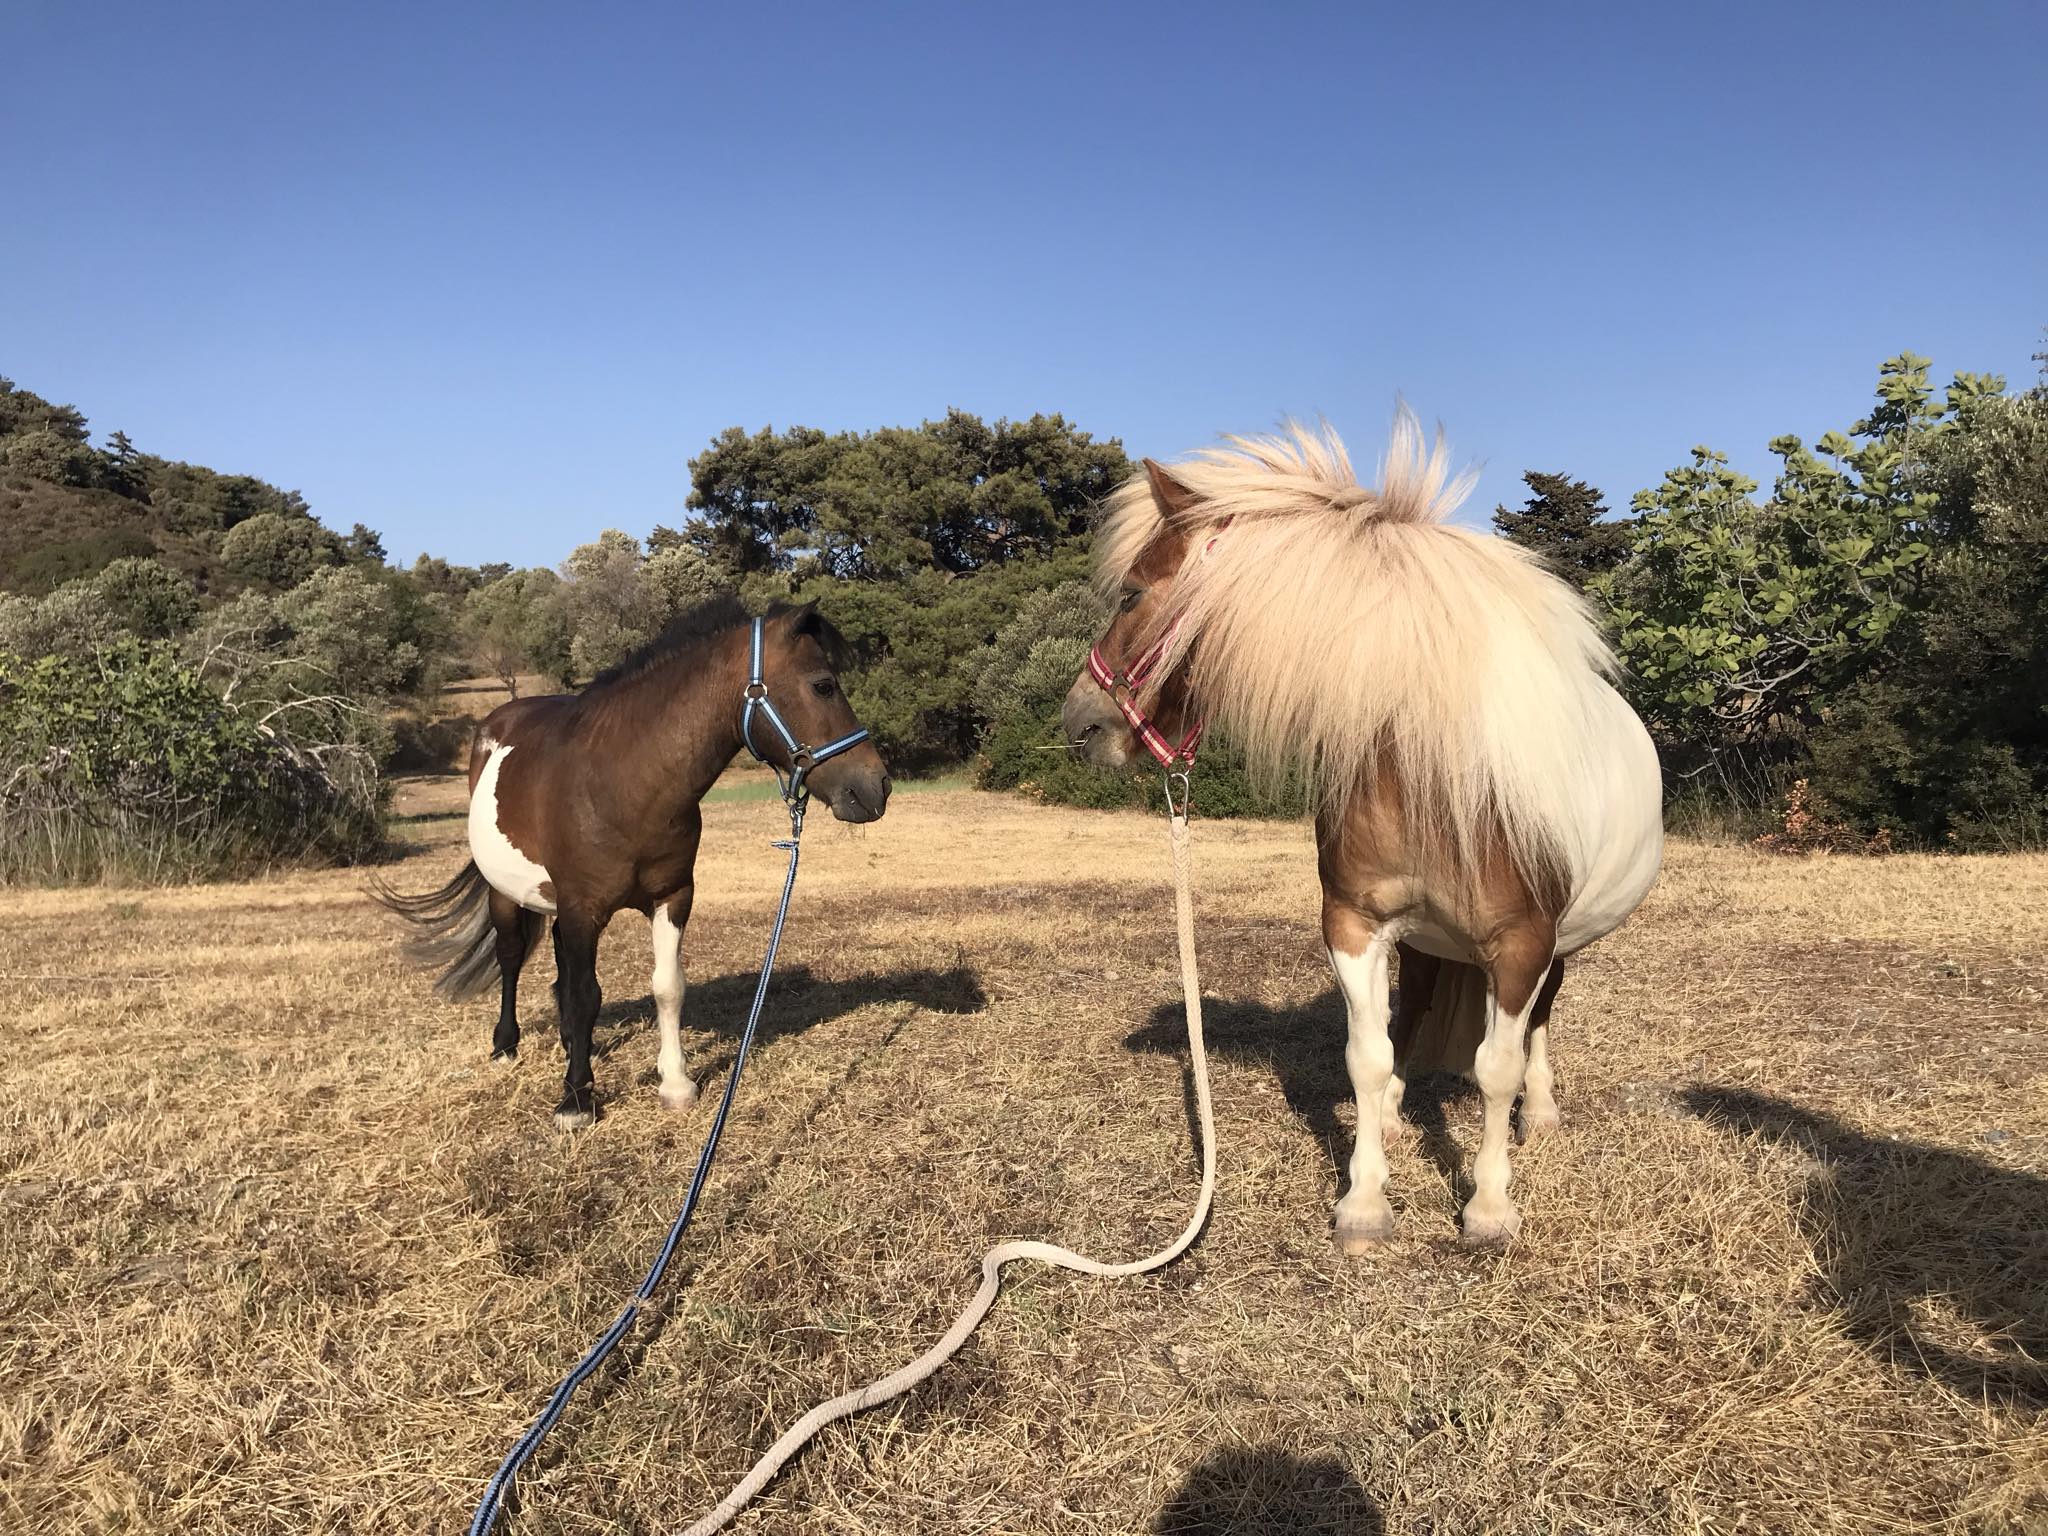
<point x="197" y="676"/>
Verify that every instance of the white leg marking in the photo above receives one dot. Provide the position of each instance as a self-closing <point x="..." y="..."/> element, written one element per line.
<point x="677" y="1091"/>
<point x="1490" y="1216"/>
<point x="1363" y="1216"/>
<point x="1539" y="1103"/>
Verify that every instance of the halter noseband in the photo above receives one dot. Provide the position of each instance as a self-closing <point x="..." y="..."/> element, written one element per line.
<point x="802" y="759"/>
<point x="1121" y="688"/>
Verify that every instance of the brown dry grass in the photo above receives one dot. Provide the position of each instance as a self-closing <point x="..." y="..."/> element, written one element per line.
<point x="283" y="1255"/>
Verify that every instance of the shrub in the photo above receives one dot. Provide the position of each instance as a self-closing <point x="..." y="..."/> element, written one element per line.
<point x="1805" y="828"/>
<point x="276" y="551"/>
<point x="128" y="764"/>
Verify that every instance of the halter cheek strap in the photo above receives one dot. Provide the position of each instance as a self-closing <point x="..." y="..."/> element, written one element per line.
<point x="802" y="759"/>
<point x="1122" y="688"/>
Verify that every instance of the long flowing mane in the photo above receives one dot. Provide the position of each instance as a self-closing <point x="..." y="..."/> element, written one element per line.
<point x="1338" y="633"/>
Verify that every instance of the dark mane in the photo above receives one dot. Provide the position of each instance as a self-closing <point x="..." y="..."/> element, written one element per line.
<point x="694" y="629"/>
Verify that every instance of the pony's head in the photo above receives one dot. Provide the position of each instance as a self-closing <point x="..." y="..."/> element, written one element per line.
<point x="1097" y="726"/>
<point x="803" y="655"/>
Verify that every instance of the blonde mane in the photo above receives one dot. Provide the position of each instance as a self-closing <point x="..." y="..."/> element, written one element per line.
<point x="1339" y="633"/>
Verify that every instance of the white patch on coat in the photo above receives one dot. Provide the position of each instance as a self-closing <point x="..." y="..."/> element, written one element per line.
<point x="510" y="872"/>
<point x="1613" y="823"/>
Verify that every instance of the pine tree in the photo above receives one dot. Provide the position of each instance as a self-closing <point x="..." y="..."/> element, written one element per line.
<point x="1565" y="523"/>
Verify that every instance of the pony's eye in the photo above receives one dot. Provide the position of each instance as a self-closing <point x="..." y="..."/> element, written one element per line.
<point x="824" y="687"/>
<point x="1130" y="600"/>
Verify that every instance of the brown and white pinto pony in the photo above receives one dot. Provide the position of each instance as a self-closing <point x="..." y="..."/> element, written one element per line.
<point x="1485" y="803"/>
<point x="582" y="805"/>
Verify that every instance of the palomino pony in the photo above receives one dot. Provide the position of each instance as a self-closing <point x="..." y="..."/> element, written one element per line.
<point x="581" y="805"/>
<point x="1485" y="802"/>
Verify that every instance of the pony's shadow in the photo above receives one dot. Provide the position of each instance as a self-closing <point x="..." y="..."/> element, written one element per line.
<point x="1304" y="1048"/>
<point x="798" y="1000"/>
<point x="1241" y="1491"/>
<point x="1896" y="1221"/>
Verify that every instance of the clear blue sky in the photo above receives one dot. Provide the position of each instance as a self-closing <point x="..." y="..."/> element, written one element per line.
<point x="486" y="277"/>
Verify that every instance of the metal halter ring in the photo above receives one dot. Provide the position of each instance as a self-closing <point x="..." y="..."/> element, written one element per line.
<point x="802" y="759"/>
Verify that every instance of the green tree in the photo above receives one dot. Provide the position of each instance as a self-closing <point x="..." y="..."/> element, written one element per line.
<point x="71" y="621"/>
<point x="1564" y="522"/>
<point x="24" y="411"/>
<point x="1738" y="620"/>
<point x="1943" y="740"/>
<point x="275" y="552"/>
<point x="121" y="468"/>
<point x="347" y="632"/>
<point x="510" y="624"/>
<point x="146" y="598"/>
<point x="363" y="545"/>
<point x="45" y="454"/>
<point x="952" y="495"/>
<point x="607" y="603"/>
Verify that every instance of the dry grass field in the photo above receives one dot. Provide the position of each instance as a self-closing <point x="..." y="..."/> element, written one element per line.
<point x="283" y="1254"/>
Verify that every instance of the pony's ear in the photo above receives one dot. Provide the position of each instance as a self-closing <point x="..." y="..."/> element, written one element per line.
<point x="806" y="620"/>
<point x="1173" y="497"/>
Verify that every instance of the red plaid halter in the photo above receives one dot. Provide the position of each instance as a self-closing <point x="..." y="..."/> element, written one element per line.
<point x="1122" y="686"/>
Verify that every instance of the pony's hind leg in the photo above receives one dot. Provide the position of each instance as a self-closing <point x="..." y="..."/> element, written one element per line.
<point x="1539" y="1101"/>
<point x="1360" y="954"/>
<point x="1412" y="1000"/>
<point x="577" y="999"/>
<point x="678" y="1092"/>
<point x="1514" y="979"/>
<point x="515" y="930"/>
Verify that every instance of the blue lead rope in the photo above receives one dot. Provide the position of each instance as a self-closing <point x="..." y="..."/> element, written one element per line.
<point x="494" y="1497"/>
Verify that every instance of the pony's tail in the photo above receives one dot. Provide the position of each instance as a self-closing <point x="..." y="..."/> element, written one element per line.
<point x="456" y="936"/>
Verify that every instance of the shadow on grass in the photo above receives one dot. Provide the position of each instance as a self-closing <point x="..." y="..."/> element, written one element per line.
<point x="1240" y="1491"/>
<point x="1893" y="1222"/>
<point x="1304" y="1049"/>
<point x="797" y="1001"/>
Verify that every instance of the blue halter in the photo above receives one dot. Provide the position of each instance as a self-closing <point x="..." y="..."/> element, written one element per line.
<point x="802" y="759"/>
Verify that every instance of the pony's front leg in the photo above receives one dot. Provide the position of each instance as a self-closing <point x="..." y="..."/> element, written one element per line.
<point x="1360" y="953"/>
<point x="678" y="1092"/>
<point x="577" y="999"/>
<point x="1512" y="985"/>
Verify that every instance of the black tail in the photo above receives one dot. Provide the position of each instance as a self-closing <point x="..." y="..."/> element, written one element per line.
<point x="456" y="936"/>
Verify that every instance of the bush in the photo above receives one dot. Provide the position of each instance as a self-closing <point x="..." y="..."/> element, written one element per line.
<point x="127" y="764"/>
<point x="1944" y="742"/>
<point x="276" y="551"/>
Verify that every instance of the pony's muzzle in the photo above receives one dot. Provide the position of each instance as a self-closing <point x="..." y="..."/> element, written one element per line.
<point x="861" y="793"/>
<point x="1093" y="727"/>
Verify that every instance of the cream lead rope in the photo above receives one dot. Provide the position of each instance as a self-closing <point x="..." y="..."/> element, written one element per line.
<point x="899" y="1382"/>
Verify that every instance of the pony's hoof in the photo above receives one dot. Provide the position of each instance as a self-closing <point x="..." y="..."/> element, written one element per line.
<point x="677" y="1099"/>
<point x="505" y="1058"/>
<point x="1362" y="1234"/>
<point x="1539" y="1122"/>
<point x="576" y="1111"/>
<point x="1490" y="1228"/>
